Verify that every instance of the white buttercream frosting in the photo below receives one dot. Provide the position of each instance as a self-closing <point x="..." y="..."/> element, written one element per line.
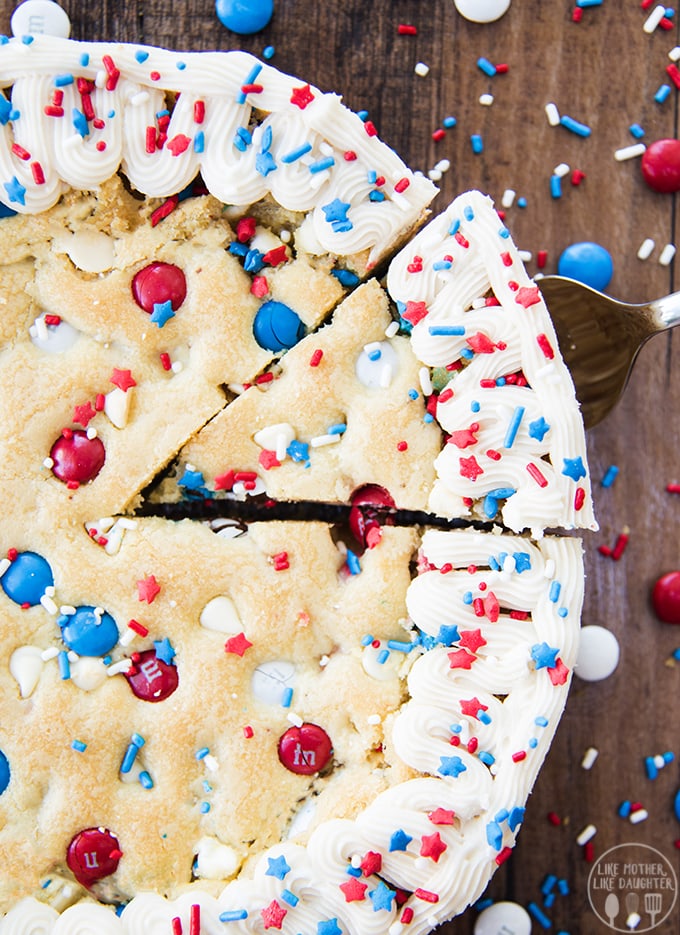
<point x="516" y="443"/>
<point x="249" y="130"/>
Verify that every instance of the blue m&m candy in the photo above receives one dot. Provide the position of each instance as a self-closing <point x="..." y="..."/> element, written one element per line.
<point x="4" y="772"/>
<point x="27" y="578"/>
<point x="89" y="631"/>
<point x="277" y="327"/>
<point x="244" y="16"/>
<point x="587" y="262"/>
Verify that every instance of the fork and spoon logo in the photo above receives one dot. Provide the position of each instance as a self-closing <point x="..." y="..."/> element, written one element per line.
<point x="632" y="888"/>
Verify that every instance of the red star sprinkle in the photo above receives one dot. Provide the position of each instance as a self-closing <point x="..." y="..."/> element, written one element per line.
<point x="481" y="344"/>
<point x="276" y="256"/>
<point x="268" y="459"/>
<point x="178" y="144"/>
<point x="83" y="413"/>
<point x="460" y="659"/>
<point x="225" y="481"/>
<point x="273" y="915"/>
<point x="237" y="644"/>
<point x="432" y="846"/>
<point x="415" y="312"/>
<point x="472" y="640"/>
<point x="472" y="706"/>
<point x="123" y="379"/>
<point x="442" y="816"/>
<point x="148" y="589"/>
<point x="558" y="674"/>
<point x="463" y="438"/>
<point x="470" y="468"/>
<point x="354" y="890"/>
<point x="528" y="296"/>
<point x="301" y="97"/>
<point x="372" y="863"/>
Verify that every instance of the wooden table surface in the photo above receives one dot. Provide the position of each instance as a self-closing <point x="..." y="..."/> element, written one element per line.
<point x="604" y="72"/>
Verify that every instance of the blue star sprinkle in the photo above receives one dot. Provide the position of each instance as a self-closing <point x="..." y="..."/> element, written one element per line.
<point x="573" y="467"/>
<point x="164" y="651"/>
<point x="538" y="429"/>
<point x="544" y="656"/>
<point x="336" y="215"/>
<point x="400" y="840"/>
<point x="382" y="897"/>
<point x="278" y="867"/>
<point x="451" y="766"/>
<point x="15" y="191"/>
<point x="162" y="313"/>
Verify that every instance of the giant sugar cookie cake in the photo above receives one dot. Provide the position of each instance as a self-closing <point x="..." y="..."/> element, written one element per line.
<point x="235" y="727"/>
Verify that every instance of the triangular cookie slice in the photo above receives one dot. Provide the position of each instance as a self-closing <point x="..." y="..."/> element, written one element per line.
<point x="343" y="409"/>
<point x="515" y="446"/>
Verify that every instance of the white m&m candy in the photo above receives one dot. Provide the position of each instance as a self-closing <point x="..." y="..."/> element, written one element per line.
<point x="598" y="654"/>
<point x="503" y="918"/>
<point x="482" y="11"/>
<point x="40" y="17"/>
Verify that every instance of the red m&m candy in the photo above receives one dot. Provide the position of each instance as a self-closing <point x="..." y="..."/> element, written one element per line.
<point x="364" y="516"/>
<point x="305" y="749"/>
<point x="92" y="855"/>
<point x="150" y="678"/>
<point x="77" y="458"/>
<point x="661" y="166"/>
<point x="158" y="283"/>
<point x="666" y="597"/>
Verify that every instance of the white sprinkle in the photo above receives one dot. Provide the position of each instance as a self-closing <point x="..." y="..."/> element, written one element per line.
<point x="486" y="100"/>
<point x="553" y="114"/>
<point x="654" y="19"/>
<point x="4" y="565"/>
<point x="386" y="376"/>
<point x="48" y="654"/>
<point x="67" y="610"/>
<point x="589" y="757"/>
<point x="285" y="236"/>
<point x="425" y="381"/>
<point x="633" y="920"/>
<point x="127" y="637"/>
<point x="392" y="329"/>
<point x="91" y="432"/>
<point x="443" y="165"/>
<point x="645" y="249"/>
<point x="323" y="662"/>
<point x="549" y="569"/>
<point x="479" y="302"/>
<point x="434" y="175"/>
<point x="48" y="463"/>
<point x="674" y="54"/>
<point x="141" y="97"/>
<point x="372" y="347"/>
<point x="126" y="523"/>
<point x="509" y="564"/>
<point x="373" y="719"/>
<point x="525" y="256"/>
<point x="326" y="149"/>
<point x="586" y="835"/>
<point x="638" y="815"/>
<point x="561" y="170"/>
<point x="545" y="371"/>
<point x="659" y="761"/>
<point x="667" y="254"/>
<point x="508" y="197"/>
<point x="295" y="719"/>
<point x="118" y="667"/>
<point x="356" y="861"/>
<point x="177" y="366"/>
<point x="320" y="441"/>
<point x="422" y="69"/>
<point x="41" y="328"/>
<point x="629" y="152"/>
<point x="49" y="604"/>
<point x="211" y="763"/>
<point x="72" y="656"/>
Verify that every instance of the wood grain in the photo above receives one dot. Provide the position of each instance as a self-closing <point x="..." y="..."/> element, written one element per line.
<point x="603" y="72"/>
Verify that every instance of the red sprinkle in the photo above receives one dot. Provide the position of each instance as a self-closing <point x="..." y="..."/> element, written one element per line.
<point x="407" y="915"/>
<point x="177" y="926"/>
<point x="38" y="174"/>
<point x="673" y="488"/>
<point x="315" y="359"/>
<point x="401" y="185"/>
<point x="53" y="111"/>
<point x="537" y="475"/>
<point x="577" y="177"/>
<point x="579" y="498"/>
<point x="195" y="920"/>
<point x="138" y="628"/>
<point x="519" y="756"/>
<point x="439" y="134"/>
<point x="164" y="210"/>
<point x="577" y="14"/>
<point x="166" y="363"/>
<point x="20" y="152"/>
<point x="426" y="895"/>
<point x="405" y="29"/>
<point x="545" y="346"/>
<point x="554" y="819"/>
<point x="350" y="155"/>
<point x="541" y="258"/>
<point x="673" y="73"/>
<point x="248" y="732"/>
<point x="503" y="855"/>
<point x="402" y="446"/>
<point x="155" y="76"/>
<point x="502" y="68"/>
<point x="369" y="127"/>
<point x="620" y="546"/>
<point x="589" y="852"/>
<point x="252" y="88"/>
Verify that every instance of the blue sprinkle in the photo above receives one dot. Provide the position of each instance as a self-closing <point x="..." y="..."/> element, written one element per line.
<point x="250" y="79"/>
<point x="205" y="808"/>
<point x="610" y="476"/>
<point x="563" y="887"/>
<point x="180" y="66"/>
<point x="477" y="143"/>
<point x="488" y="759"/>
<point x="513" y="428"/>
<point x="366" y="640"/>
<point x="494" y="835"/>
<point x="475" y="406"/>
<point x="298" y="451"/>
<point x="64" y="666"/>
<point x="555" y="186"/>
<point x="662" y="93"/>
<point x="372" y="176"/>
<point x="442" y="264"/>
<point x="141" y="56"/>
<point x="129" y="758"/>
<point x="449" y="122"/>
<point x="238" y="249"/>
<point x="468" y="213"/>
<point x="504" y="233"/>
<point x="483" y="716"/>
<point x="676" y="654"/>
<point x="199" y="142"/>
<point x="541" y="721"/>
<point x="668" y="757"/>
<point x="428" y="417"/>
<point x="413" y="394"/>
<point x="554" y="593"/>
<point x="138" y="740"/>
<point x="580" y="129"/>
<point x="85" y="59"/>
<point x="490" y="507"/>
<point x="650" y="768"/>
<point x="549" y="900"/>
<point x="587" y="3"/>
<point x="354" y="871"/>
<point x="61" y="81"/>
<point x="400" y="646"/>
<point x="516" y="817"/>
<point x="624" y="809"/>
<point x="145" y="780"/>
<point x="267" y="140"/>
<point x="521" y="202"/>
<point x="362" y="115"/>
<point x="289" y="898"/>
<point x="455" y="227"/>
<point x="500" y="381"/>
<point x="539" y="915"/>
<point x="446" y="330"/>
<point x="286" y="697"/>
<point x="501" y="815"/>
<point x="533" y="743"/>
<point x="636" y="130"/>
<point x="467" y="353"/>
<point x="376" y="195"/>
<point x="79" y="745"/>
<point x="456" y="728"/>
<point x="268" y="52"/>
<point x="296" y="154"/>
<point x="321" y="164"/>
<point x="345" y="277"/>
<point x="27" y="40"/>
<point x="563" y="612"/>
<point x="207" y="788"/>
<point x="486" y="66"/>
<point x="467" y="597"/>
<point x="338" y="429"/>
<point x="383" y="656"/>
<point x="233" y="915"/>
<point x="80" y="122"/>
<point x="202" y="753"/>
<point x="548" y="884"/>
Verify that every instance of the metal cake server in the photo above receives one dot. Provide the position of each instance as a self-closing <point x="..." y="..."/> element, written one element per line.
<point x="600" y="338"/>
